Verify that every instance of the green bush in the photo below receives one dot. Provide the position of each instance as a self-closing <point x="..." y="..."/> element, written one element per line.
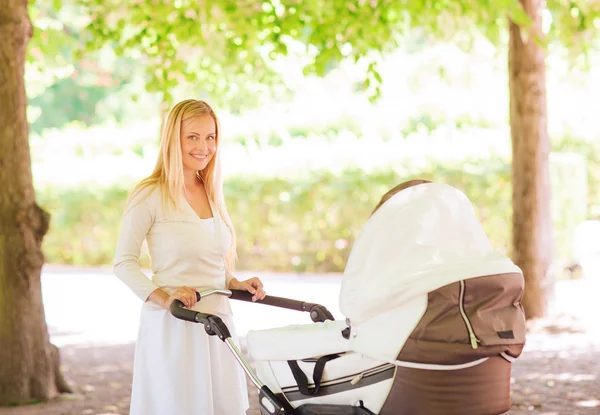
<point x="568" y="174"/>
<point x="589" y="150"/>
<point x="84" y="225"/>
<point x="308" y="224"/>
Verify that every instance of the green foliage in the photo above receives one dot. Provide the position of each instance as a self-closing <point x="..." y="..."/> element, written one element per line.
<point x="218" y="49"/>
<point x="309" y="223"/>
<point x="229" y="50"/>
<point x="84" y="224"/>
<point x="227" y="46"/>
<point x="62" y="88"/>
<point x="575" y="24"/>
<point x="589" y="150"/>
<point x="230" y="46"/>
<point x="68" y="100"/>
<point x="569" y="207"/>
<point x="55" y="35"/>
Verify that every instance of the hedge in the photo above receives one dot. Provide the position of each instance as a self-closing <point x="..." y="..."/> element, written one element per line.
<point x="308" y="224"/>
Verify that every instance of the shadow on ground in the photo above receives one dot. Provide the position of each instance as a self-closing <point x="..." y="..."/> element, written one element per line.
<point x="557" y="381"/>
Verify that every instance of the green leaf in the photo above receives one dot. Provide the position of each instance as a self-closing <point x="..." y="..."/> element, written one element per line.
<point x="221" y="39"/>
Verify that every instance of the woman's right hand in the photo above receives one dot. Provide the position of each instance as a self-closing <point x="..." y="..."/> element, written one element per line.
<point x="184" y="294"/>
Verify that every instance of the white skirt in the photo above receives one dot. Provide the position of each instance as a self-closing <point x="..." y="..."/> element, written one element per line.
<point x="179" y="369"/>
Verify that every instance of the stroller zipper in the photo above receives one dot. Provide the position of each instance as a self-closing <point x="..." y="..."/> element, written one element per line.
<point x="472" y="337"/>
<point x="370" y="372"/>
<point x="357" y="379"/>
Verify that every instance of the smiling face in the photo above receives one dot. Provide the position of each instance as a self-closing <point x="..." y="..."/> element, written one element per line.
<point x="198" y="142"/>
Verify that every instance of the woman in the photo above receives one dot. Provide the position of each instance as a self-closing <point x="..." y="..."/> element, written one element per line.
<point x="180" y="211"/>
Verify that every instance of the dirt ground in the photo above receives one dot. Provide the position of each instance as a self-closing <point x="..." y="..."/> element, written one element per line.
<point x="559" y="374"/>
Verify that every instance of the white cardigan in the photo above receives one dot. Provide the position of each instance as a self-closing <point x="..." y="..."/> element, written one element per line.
<point x="184" y="249"/>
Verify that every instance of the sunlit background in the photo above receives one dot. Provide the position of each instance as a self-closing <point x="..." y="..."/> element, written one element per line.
<point x="306" y="159"/>
<point x="305" y="167"/>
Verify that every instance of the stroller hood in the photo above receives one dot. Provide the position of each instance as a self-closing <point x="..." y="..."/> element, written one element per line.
<point x="421" y="239"/>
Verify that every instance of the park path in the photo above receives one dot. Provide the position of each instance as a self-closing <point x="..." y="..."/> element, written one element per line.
<point x="93" y="317"/>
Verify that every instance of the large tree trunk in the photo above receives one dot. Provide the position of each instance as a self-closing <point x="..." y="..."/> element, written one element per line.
<point x="28" y="362"/>
<point x="532" y="226"/>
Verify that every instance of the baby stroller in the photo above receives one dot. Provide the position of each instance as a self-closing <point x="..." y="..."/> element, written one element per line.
<point x="433" y="321"/>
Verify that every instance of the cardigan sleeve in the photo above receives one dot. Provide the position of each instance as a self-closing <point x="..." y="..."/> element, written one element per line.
<point x="136" y="223"/>
<point x="228" y="277"/>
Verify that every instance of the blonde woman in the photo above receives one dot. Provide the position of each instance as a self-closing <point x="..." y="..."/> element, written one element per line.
<point x="180" y="211"/>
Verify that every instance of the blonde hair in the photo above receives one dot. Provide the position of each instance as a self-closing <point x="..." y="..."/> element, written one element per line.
<point x="168" y="171"/>
<point x="398" y="188"/>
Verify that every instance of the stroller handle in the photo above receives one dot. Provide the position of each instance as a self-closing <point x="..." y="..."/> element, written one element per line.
<point x="178" y="309"/>
<point x="318" y="313"/>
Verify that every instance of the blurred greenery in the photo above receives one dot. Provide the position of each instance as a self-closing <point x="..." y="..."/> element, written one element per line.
<point x="302" y="175"/>
<point x="203" y="43"/>
<point x="589" y="150"/>
<point x="309" y="223"/>
<point x="89" y="59"/>
<point x="303" y="169"/>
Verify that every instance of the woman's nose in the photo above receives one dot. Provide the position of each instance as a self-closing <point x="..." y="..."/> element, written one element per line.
<point x="202" y="144"/>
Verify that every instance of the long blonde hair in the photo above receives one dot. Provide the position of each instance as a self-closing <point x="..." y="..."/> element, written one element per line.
<point x="168" y="171"/>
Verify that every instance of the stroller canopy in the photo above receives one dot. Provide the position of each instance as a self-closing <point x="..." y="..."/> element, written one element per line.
<point x="421" y="239"/>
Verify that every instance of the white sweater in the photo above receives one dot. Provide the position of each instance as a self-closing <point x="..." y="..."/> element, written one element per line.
<point x="184" y="249"/>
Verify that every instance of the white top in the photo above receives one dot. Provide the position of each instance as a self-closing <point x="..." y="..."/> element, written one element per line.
<point x="184" y="250"/>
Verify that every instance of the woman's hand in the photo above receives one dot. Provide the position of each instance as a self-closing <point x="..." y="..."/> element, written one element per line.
<point x="253" y="286"/>
<point x="184" y="294"/>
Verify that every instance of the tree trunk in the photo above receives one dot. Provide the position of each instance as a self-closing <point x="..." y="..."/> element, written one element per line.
<point x="29" y="368"/>
<point x="532" y="226"/>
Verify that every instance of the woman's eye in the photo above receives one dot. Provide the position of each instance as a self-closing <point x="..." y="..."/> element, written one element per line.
<point x="192" y="137"/>
<point x="210" y="137"/>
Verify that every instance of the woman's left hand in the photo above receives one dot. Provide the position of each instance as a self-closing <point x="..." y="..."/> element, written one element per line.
<point x="253" y="286"/>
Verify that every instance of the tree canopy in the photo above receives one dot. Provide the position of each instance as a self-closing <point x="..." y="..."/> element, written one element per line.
<point x="226" y="46"/>
<point x="229" y="49"/>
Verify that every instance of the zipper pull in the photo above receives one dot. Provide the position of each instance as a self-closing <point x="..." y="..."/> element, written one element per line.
<point x="474" y="341"/>
<point x="357" y="379"/>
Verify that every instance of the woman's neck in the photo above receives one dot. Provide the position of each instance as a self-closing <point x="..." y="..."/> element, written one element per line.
<point x="191" y="182"/>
